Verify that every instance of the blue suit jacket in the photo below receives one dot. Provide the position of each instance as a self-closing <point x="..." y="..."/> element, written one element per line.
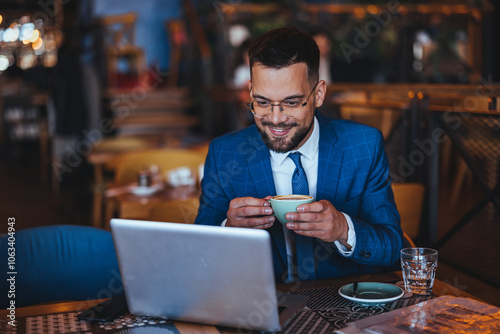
<point x="353" y="174"/>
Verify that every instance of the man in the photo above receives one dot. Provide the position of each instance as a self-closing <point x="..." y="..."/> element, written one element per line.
<point x="353" y="226"/>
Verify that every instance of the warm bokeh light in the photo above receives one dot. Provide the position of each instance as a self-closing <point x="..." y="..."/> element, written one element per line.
<point x="37" y="44"/>
<point x="1" y="19"/>
<point x="372" y="9"/>
<point x="359" y="12"/>
<point x="411" y="94"/>
<point x="34" y="36"/>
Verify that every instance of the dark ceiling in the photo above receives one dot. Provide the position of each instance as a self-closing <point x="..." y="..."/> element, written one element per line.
<point x="24" y="4"/>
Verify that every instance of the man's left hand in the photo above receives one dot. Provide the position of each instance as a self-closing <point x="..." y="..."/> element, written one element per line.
<point x="320" y="220"/>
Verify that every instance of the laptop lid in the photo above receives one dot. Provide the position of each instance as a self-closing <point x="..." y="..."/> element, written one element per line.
<point x="206" y="274"/>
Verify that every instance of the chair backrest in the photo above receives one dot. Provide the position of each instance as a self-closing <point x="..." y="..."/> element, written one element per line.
<point x="119" y="29"/>
<point x="409" y="198"/>
<point x="60" y="262"/>
<point x="128" y="165"/>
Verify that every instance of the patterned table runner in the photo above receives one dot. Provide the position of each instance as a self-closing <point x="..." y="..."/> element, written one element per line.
<point x="325" y="312"/>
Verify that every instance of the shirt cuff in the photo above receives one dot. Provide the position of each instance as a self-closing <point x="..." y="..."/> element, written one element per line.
<point x="225" y="222"/>
<point x="351" y="238"/>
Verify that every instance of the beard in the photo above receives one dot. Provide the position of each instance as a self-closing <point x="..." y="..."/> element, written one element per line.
<point x="283" y="145"/>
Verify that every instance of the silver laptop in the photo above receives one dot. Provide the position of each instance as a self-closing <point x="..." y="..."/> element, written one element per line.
<point x="205" y="274"/>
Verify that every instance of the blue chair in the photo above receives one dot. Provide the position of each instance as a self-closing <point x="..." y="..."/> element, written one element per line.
<point x="60" y="263"/>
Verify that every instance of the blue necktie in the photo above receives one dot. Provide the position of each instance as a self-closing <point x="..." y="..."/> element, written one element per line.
<point x="304" y="245"/>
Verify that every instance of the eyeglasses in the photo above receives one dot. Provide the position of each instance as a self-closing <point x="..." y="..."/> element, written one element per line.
<point x="290" y="107"/>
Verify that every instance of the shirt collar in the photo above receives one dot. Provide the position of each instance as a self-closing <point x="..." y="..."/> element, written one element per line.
<point x="308" y="150"/>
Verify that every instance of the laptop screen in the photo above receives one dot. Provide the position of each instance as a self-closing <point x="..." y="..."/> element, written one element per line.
<point x="206" y="274"/>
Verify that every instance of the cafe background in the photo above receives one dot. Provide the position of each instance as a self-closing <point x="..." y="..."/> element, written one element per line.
<point x="77" y="74"/>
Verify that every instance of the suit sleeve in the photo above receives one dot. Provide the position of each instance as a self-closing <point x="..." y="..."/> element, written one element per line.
<point x="213" y="202"/>
<point x="379" y="237"/>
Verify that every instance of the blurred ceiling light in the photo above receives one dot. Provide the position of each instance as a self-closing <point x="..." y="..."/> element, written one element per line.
<point x="359" y="12"/>
<point x="15" y="41"/>
<point x="24" y="19"/>
<point x="4" y="62"/>
<point x="372" y="9"/>
<point x="34" y="35"/>
<point x="37" y="44"/>
<point x="49" y="59"/>
<point x="238" y="34"/>
<point x="26" y="31"/>
<point x="40" y="50"/>
<point x="10" y="34"/>
<point x="26" y="59"/>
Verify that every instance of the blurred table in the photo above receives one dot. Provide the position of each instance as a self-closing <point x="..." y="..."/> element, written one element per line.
<point x="104" y="155"/>
<point x="169" y="204"/>
<point x="66" y="312"/>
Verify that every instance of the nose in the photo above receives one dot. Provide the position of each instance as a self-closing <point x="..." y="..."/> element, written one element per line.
<point x="276" y="115"/>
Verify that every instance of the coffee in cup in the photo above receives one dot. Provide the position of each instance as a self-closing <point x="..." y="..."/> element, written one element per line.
<point x="283" y="204"/>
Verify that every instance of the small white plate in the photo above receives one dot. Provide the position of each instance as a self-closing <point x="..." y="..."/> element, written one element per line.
<point x="145" y="191"/>
<point x="372" y="293"/>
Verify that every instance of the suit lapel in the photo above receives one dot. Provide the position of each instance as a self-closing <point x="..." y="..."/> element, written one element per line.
<point x="329" y="161"/>
<point x="259" y="165"/>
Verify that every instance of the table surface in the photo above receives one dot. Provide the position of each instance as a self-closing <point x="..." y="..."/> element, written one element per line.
<point x="440" y="288"/>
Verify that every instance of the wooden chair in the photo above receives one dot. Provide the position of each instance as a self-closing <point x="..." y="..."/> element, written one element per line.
<point x="119" y="40"/>
<point x="409" y="198"/>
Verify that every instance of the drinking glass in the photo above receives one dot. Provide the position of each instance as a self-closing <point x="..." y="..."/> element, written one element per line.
<point x="419" y="269"/>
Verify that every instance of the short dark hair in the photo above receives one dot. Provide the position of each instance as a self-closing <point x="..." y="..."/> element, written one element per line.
<point x="283" y="47"/>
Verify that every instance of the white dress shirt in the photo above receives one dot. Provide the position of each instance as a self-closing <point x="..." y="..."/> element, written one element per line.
<point x="283" y="168"/>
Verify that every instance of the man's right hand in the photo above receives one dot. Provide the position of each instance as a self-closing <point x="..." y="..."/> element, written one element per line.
<point x="250" y="212"/>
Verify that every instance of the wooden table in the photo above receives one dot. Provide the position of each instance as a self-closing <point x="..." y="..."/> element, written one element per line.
<point x="104" y="155"/>
<point x="440" y="289"/>
<point x="174" y="204"/>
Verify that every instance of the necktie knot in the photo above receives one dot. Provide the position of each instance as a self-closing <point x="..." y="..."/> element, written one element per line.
<point x="296" y="159"/>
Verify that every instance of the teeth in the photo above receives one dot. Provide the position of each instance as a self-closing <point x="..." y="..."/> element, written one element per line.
<point x="279" y="130"/>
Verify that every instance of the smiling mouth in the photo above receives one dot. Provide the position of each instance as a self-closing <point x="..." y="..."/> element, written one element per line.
<point x="279" y="130"/>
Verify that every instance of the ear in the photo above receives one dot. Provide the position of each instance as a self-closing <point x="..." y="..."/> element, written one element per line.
<point x="320" y="93"/>
<point x="249" y="85"/>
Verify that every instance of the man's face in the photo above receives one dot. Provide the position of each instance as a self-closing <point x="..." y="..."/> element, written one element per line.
<point x="279" y="132"/>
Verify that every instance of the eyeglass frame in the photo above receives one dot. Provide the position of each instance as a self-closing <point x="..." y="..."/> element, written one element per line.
<point x="278" y="104"/>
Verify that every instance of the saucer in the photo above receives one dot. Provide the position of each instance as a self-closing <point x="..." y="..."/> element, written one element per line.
<point x="372" y="293"/>
<point x="145" y="191"/>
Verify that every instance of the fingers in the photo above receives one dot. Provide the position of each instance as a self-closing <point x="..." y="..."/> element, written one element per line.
<point x="317" y="219"/>
<point x="261" y="222"/>
<point x="248" y="201"/>
<point x="314" y="206"/>
<point x="250" y="212"/>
